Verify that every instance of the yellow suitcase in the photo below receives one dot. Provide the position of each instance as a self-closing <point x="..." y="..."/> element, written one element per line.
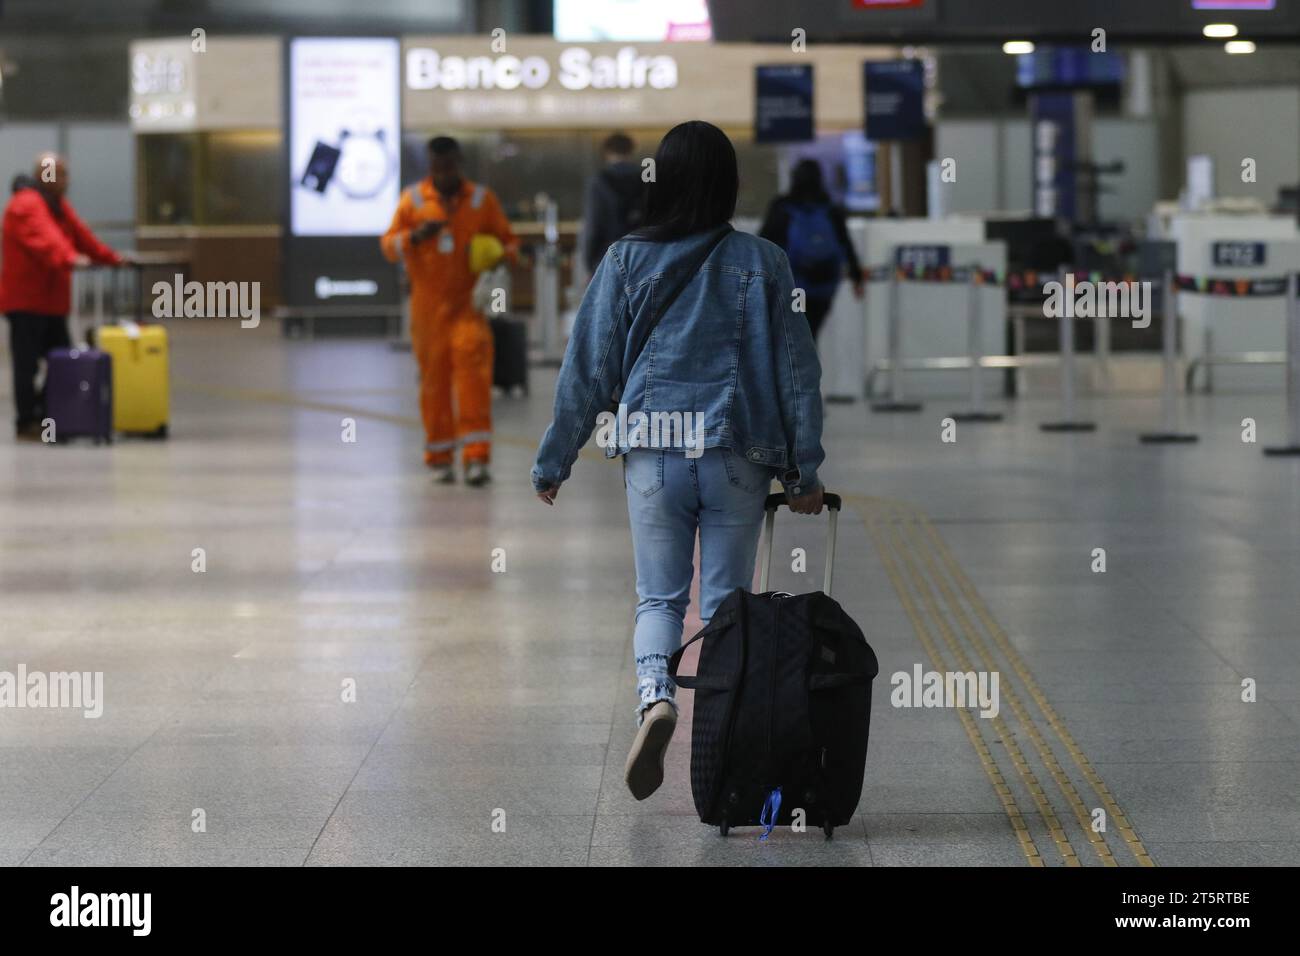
<point x="141" y="388"/>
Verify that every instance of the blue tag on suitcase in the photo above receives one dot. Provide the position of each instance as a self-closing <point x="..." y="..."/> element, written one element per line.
<point x="79" y="394"/>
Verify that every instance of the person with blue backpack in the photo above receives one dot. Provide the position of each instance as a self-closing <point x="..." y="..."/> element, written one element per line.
<point x="812" y="231"/>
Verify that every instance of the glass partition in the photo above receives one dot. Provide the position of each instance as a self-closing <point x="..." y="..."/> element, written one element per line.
<point x="225" y="178"/>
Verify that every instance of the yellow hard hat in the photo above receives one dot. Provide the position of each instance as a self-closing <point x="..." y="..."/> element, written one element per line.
<point x="485" y="251"/>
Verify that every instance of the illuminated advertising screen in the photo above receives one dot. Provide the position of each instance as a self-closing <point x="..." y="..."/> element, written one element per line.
<point x="1233" y="4"/>
<point x="631" y="21"/>
<point x="344" y="135"/>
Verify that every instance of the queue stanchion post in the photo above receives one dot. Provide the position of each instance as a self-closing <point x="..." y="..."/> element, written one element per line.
<point x="1101" y="351"/>
<point x="1067" y="422"/>
<point x="895" y="402"/>
<point x="548" y="303"/>
<point x="403" y="341"/>
<point x="1292" y="447"/>
<point x="546" y="283"/>
<point x="975" y="347"/>
<point x="1208" y="348"/>
<point x="1169" y="433"/>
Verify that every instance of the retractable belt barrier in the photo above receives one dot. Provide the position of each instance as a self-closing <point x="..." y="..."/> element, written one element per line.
<point x="972" y="274"/>
<point x="1030" y="284"/>
<point x="1169" y="433"/>
<point x="1263" y="288"/>
<point x="1232" y="287"/>
<point x="1027" y="281"/>
<point x="1067" y="421"/>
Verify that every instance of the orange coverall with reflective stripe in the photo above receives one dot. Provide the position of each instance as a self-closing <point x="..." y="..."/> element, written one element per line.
<point x="452" y="342"/>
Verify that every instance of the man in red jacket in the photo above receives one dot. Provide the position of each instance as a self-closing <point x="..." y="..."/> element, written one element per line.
<point x="44" y="240"/>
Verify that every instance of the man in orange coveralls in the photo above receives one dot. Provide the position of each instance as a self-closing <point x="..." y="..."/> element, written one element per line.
<point x="431" y="232"/>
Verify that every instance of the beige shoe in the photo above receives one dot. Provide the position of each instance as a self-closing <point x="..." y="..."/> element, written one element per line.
<point x="644" y="771"/>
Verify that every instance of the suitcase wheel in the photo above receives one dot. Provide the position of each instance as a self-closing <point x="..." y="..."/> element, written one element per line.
<point x="723" y="827"/>
<point x="829" y="830"/>
<point x="161" y="432"/>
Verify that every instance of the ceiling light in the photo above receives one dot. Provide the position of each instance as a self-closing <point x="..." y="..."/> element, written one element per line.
<point x="1239" y="46"/>
<point x="1219" y="31"/>
<point x="1018" y="46"/>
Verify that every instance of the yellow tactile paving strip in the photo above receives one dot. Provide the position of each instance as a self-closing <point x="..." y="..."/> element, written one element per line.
<point x="922" y="570"/>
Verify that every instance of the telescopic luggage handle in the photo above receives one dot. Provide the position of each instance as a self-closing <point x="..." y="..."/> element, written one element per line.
<point x="776" y="500"/>
<point x="770" y="507"/>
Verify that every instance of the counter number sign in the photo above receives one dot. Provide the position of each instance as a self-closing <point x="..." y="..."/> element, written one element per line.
<point x="1239" y="255"/>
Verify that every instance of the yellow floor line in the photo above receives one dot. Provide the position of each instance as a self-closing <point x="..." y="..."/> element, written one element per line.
<point x="1114" y="813"/>
<point x="1005" y="796"/>
<point x="1008" y="693"/>
<point x="1005" y="736"/>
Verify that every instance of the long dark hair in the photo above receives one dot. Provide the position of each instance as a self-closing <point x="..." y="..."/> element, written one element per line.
<point x="806" y="182"/>
<point x="695" y="183"/>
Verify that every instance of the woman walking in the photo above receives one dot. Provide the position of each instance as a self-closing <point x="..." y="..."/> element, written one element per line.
<point x="685" y="317"/>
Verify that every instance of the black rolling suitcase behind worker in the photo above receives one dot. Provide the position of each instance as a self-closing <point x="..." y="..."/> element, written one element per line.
<point x="510" y="354"/>
<point x="782" y="704"/>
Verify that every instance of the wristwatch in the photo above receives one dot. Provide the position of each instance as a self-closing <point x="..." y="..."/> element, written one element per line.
<point x="364" y="164"/>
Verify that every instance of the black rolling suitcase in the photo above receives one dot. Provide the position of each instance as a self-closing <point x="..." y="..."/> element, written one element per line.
<point x="782" y="704"/>
<point x="510" y="354"/>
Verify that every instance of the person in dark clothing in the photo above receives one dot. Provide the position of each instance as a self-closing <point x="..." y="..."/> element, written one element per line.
<point x="615" y="197"/>
<point x="813" y="232"/>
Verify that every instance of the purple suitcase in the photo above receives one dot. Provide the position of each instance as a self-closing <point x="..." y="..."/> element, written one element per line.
<point x="79" y="394"/>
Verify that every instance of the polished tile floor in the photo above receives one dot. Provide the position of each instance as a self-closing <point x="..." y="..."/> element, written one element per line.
<point x="354" y="679"/>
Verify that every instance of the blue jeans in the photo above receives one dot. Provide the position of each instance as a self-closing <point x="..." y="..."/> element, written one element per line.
<point x="669" y="498"/>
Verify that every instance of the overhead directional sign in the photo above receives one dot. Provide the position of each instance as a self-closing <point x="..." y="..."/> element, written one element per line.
<point x="894" y="95"/>
<point x="783" y="103"/>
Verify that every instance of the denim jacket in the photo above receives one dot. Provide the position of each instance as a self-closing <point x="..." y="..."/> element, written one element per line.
<point x="731" y="350"/>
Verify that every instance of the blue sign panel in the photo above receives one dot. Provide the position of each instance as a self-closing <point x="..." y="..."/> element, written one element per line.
<point x="1052" y="118"/>
<point x="1073" y="67"/>
<point x="894" y="95"/>
<point x="783" y="103"/>
<point x="921" y="257"/>
<point x="1239" y="255"/>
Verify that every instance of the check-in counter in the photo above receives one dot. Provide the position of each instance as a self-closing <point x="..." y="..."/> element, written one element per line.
<point x="933" y="315"/>
<point x="1233" y="327"/>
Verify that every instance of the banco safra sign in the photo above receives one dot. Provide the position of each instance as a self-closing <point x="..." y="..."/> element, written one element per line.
<point x="575" y="68"/>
